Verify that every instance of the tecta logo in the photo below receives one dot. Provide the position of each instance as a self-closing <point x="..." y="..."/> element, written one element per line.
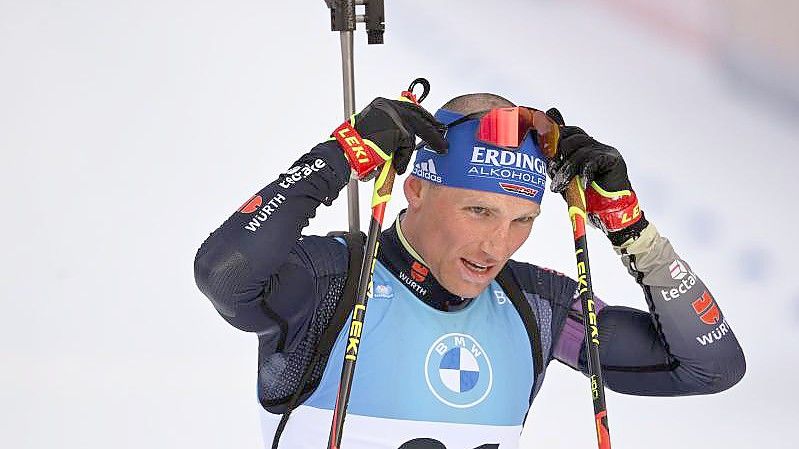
<point x="677" y="269"/>
<point x="687" y="282"/>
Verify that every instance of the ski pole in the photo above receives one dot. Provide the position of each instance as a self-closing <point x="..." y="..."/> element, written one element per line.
<point x="344" y="19"/>
<point x="380" y="196"/>
<point x="575" y="199"/>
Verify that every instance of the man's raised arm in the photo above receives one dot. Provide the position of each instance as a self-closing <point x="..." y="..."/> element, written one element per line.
<point x="255" y="249"/>
<point x="253" y="268"/>
<point x="683" y="345"/>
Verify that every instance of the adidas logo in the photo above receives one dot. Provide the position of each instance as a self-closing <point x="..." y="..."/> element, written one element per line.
<point x="427" y="170"/>
<point x="428" y="166"/>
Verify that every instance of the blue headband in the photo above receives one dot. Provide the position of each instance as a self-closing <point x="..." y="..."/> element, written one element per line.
<point x="471" y="164"/>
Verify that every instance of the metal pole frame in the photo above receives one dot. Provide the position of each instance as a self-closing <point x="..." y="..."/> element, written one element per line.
<point x="343" y="18"/>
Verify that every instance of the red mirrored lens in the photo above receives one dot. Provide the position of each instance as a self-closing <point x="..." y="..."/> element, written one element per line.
<point x="500" y="127"/>
<point x="547" y="131"/>
<point x="507" y="128"/>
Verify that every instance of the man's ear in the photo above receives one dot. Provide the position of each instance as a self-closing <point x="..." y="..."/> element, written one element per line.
<point x="414" y="189"/>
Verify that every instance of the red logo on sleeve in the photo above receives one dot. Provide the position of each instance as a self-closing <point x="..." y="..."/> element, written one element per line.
<point x="251" y="205"/>
<point x="706" y="308"/>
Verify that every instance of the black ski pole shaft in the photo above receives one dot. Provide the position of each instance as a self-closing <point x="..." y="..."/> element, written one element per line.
<point x="380" y="197"/>
<point x="382" y="193"/>
<point x="575" y="199"/>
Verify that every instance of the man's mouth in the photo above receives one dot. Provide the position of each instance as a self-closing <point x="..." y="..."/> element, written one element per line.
<point x="475" y="267"/>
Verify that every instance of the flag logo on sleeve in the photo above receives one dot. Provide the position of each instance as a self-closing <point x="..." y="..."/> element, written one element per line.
<point x="458" y="371"/>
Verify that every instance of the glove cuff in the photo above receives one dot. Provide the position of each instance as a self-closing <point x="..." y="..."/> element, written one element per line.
<point x="630" y="233"/>
<point x="612" y="211"/>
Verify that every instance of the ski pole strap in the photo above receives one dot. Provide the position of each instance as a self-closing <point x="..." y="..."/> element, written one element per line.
<point x="508" y="282"/>
<point x="355" y="246"/>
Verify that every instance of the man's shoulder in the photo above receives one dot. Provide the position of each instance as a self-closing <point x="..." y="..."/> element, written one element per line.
<point x="327" y="255"/>
<point x="547" y="283"/>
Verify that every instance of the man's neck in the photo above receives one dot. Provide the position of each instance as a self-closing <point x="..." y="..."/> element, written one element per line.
<point x="401" y="260"/>
<point x="407" y="236"/>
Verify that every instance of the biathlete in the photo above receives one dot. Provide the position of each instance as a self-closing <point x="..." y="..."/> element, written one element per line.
<point x="446" y="358"/>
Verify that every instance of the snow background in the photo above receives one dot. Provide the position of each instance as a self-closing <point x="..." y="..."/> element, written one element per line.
<point x="131" y="129"/>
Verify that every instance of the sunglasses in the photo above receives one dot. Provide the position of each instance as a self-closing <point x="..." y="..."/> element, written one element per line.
<point x="508" y="127"/>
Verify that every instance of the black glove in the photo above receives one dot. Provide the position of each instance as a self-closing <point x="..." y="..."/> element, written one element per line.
<point x="385" y="128"/>
<point x="611" y="202"/>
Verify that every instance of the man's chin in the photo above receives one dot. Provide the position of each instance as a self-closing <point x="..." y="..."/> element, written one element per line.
<point x="466" y="289"/>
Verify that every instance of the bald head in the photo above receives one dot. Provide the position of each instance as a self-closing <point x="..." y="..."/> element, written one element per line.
<point x="470" y="103"/>
<point x="467" y="104"/>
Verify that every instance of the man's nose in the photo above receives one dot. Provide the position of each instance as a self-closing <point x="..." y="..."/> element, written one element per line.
<point x="496" y="241"/>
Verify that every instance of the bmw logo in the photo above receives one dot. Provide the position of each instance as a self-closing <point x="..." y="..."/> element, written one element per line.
<point x="458" y="371"/>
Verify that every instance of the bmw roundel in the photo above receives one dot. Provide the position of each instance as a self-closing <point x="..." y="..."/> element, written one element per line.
<point x="458" y="371"/>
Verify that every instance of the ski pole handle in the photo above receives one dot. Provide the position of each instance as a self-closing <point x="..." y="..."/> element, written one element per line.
<point x="384" y="184"/>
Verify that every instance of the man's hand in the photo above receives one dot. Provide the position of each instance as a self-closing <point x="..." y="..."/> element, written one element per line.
<point x="385" y="128"/>
<point x="610" y="200"/>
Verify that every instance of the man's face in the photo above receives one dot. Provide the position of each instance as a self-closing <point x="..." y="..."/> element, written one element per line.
<point x="465" y="236"/>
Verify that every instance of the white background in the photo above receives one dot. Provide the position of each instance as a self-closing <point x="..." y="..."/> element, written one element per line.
<point x="129" y="130"/>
